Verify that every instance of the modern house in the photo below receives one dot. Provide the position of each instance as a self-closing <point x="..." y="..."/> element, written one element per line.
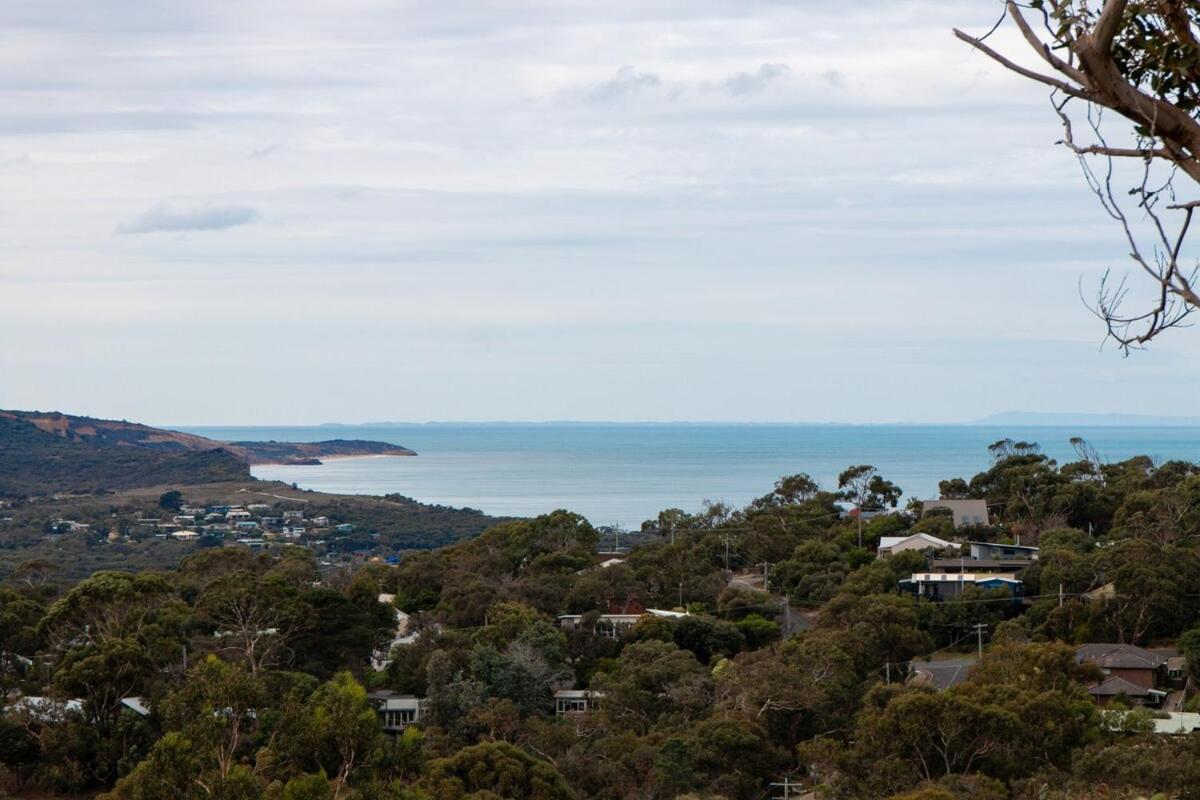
<point x="989" y="557"/>
<point x="397" y="711"/>
<point x="949" y="586"/>
<point x="964" y="511"/>
<point x="571" y="702"/>
<point x="995" y="551"/>
<point x="890" y="545"/>
<point x="1138" y="674"/>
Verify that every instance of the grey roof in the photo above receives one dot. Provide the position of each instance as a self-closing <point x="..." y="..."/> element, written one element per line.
<point x="1120" y="656"/>
<point x="1115" y="685"/>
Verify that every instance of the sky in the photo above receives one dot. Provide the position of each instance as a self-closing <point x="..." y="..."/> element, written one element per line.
<point x="300" y="212"/>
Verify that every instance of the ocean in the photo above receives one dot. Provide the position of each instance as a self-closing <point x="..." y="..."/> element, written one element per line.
<point x="622" y="474"/>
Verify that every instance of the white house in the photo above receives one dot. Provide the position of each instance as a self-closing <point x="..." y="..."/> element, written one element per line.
<point x="612" y="625"/>
<point x="397" y="711"/>
<point x="569" y="702"/>
<point x="890" y="545"/>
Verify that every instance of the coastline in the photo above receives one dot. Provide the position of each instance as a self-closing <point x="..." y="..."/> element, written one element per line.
<point x="325" y="459"/>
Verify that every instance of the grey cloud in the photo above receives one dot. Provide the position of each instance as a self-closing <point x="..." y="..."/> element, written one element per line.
<point x="745" y="83"/>
<point x="263" y="152"/>
<point x="834" y="77"/>
<point x="627" y="81"/>
<point x="214" y="218"/>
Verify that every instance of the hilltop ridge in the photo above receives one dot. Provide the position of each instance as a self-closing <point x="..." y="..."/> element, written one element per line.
<point x="52" y="451"/>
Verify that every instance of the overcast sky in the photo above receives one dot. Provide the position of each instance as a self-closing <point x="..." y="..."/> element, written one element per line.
<point x="305" y="211"/>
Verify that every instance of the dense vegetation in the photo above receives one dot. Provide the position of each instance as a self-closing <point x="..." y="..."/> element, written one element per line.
<point x="272" y="700"/>
<point x="34" y="462"/>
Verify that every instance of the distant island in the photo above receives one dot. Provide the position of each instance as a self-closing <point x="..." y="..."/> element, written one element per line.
<point x="1070" y="419"/>
<point x="63" y="453"/>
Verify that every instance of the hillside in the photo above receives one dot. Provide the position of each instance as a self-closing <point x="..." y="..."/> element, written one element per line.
<point x="47" y="452"/>
<point x="55" y="456"/>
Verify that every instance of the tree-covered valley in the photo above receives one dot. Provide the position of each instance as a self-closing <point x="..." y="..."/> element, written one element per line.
<point x="243" y="674"/>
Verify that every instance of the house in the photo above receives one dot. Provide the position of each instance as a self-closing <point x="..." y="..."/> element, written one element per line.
<point x="253" y="544"/>
<point x="345" y="527"/>
<point x="1134" y="672"/>
<point x="890" y="545"/>
<point x="258" y="507"/>
<point x="1177" y="722"/>
<point x="185" y="536"/>
<point x="948" y="586"/>
<point x="185" y="519"/>
<point x="995" y="551"/>
<point x="293" y="515"/>
<point x="965" y="511"/>
<point x="1115" y="686"/>
<point x="247" y="525"/>
<point x="49" y="709"/>
<point x="192" y="510"/>
<point x="572" y="702"/>
<point x="321" y="522"/>
<point x="137" y="705"/>
<point x="621" y="617"/>
<point x="397" y="711"/>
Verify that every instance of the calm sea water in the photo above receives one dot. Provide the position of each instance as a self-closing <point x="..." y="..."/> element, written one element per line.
<point x="623" y="474"/>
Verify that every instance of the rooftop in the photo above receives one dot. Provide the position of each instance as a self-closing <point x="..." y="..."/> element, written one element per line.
<point x="1120" y="656"/>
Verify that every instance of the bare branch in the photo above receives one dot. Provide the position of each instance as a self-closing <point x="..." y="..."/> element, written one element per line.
<point x="1063" y="87"/>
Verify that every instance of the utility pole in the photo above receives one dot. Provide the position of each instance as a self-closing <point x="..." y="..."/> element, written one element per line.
<point x="766" y="566"/>
<point x="787" y="785"/>
<point x="1060" y="595"/>
<point x="727" y="540"/>
<point x="888" y="665"/>
<point x="979" y="628"/>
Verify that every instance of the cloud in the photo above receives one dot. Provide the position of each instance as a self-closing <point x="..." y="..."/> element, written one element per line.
<point x="214" y="218"/>
<point x="263" y="152"/>
<point x="745" y="83"/>
<point x="834" y="77"/>
<point x="627" y="81"/>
